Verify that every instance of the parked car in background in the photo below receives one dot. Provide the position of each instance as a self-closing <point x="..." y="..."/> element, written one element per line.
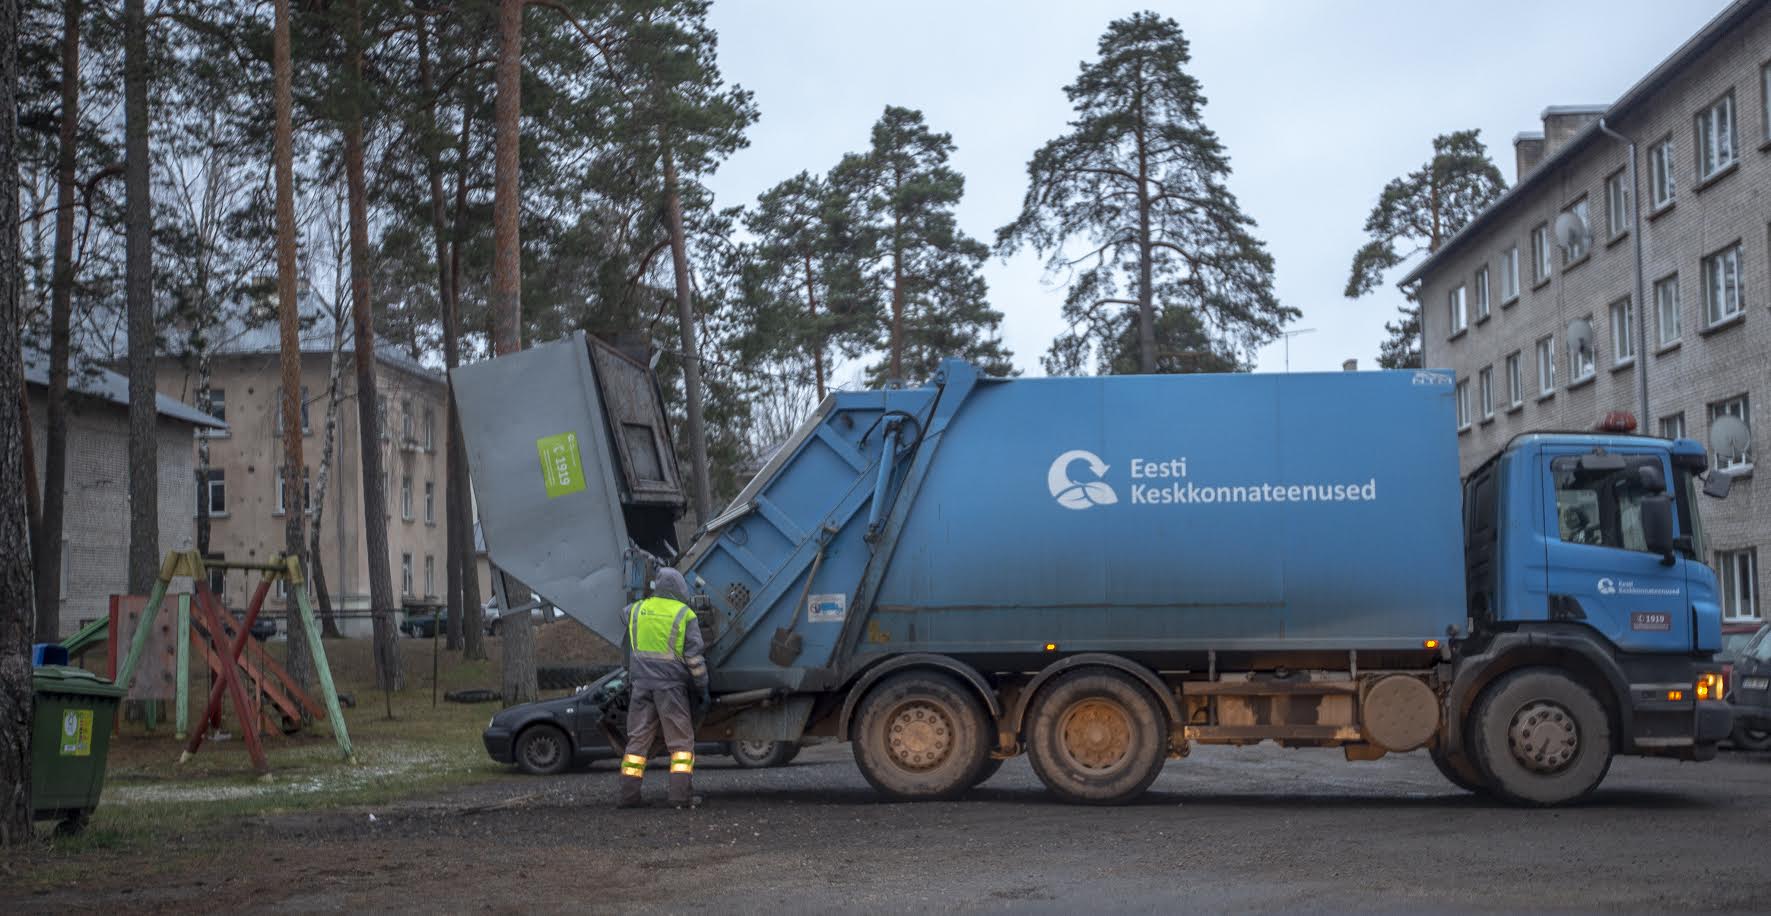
<point x="1746" y="669"/>
<point x="263" y="627"/>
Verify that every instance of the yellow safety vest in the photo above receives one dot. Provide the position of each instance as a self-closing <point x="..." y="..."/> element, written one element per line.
<point x="658" y="627"/>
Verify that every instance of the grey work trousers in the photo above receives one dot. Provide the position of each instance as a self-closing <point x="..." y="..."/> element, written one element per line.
<point x="653" y="707"/>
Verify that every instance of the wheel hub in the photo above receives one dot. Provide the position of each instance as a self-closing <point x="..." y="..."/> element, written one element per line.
<point x="1096" y="734"/>
<point x="543" y="750"/>
<point x="1544" y="737"/>
<point x="920" y="736"/>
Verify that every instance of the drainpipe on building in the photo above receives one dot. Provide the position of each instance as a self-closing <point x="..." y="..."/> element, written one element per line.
<point x="1641" y="303"/>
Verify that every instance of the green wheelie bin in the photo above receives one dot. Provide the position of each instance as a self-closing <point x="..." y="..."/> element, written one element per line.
<point x="70" y="737"/>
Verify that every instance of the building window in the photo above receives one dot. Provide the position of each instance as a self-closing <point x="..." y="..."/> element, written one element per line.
<point x="1623" y="332"/>
<point x="1509" y="274"/>
<point x="1721" y="285"/>
<point x="1463" y="404"/>
<point x="216" y="483"/>
<point x="1660" y="172"/>
<point x="1741" y="408"/>
<point x="430" y="574"/>
<point x="405" y="574"/>
<point x="406" y="497"/>
<point x="1546" y="366"/>
<point x="1666" y="308"/>
<point x="1739" y="572"/>
<point x="1673" y="427"/>
<point x="1481" y="293"/>
<point x="218" y="404"/>
<point x="1715" y="137"/>
<point x="218" y="579"/>
<point x="406" y="420"/>
<point x="1540" y="253"/>
<point x="1582" y="242"/>
<point x="278" y="431"/>
<point x="1460" y="316"/>
<point x="1580" y="361"/>
<point x="1515" y="380"/>
<point x="1485" y="391"/>
<point x="1617" y="203"/>
<point x="430" y="502"/>
<point x="381" y="416"/>
<point x="307" y="494"/>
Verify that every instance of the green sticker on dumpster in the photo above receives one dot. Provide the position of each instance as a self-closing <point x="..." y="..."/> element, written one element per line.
<point x="561" y="468"/>
<point x="76" y="733"/>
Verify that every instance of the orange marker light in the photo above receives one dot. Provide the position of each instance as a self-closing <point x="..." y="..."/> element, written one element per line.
<point x="1051" y="647"/>
<point x="1675" y="695"/>
<point x="1431" y="643"/>
<point x="1709" y="685"/>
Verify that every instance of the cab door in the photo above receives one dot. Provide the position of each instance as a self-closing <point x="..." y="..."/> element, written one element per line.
<point x="1600" y="572"/>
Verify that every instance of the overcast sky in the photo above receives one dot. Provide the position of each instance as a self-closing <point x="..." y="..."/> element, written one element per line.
<point x="1317" y="103"/>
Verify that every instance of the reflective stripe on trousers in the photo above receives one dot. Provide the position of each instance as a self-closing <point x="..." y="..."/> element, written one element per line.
<point x="633" y="765"/>
<point x="682" y="762"/>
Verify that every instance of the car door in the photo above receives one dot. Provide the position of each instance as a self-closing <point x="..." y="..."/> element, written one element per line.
<point x="1599" y="569"/>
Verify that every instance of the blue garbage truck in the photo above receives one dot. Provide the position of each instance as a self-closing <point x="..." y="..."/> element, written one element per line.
<point x="1101" y="573"/>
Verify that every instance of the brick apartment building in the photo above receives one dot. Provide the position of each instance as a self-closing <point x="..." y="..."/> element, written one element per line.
<point x="1506" y="304"/>
<point x="247" y="504"/>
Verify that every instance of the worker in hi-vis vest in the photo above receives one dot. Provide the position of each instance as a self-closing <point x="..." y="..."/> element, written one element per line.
<point x="664" y="649"/>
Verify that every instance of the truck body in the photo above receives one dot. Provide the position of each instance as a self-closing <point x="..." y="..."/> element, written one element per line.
<point x="1101" y="572"/>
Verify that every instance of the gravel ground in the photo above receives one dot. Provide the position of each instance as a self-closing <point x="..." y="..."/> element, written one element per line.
<point x="1243" y="829"/>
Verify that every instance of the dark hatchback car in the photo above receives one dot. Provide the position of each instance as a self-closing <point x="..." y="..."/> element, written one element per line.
<point x="1750" y="692"/>
<point x="548" y="736"/>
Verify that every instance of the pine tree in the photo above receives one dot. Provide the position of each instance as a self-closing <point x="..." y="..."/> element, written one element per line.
<point x="1142" y="182"/>
<point x="1417" y="213"/>
<point x="923" y="274"/>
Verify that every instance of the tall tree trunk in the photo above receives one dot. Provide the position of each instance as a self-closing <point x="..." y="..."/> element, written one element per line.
<point x="16" y="695"/>
<point x="897" y="342"/>
<point x="461" y="521"/>
<point x="206" y="404"/>
<point x="685" y="318"/>
<point x="300" y="657"/>
<point x="1146" y="250"/>
<point x="328" y="445"/>
<point x="388" y="672"/>
<point x="138" y="295"/>
<point x="507" y="292"/>
<point x="48" y="545"/>
<point x="817" y="339"/>
<point x="433" y="167"/>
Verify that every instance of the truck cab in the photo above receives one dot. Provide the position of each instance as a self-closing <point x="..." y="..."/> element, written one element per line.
<point x="1590" y="548"/>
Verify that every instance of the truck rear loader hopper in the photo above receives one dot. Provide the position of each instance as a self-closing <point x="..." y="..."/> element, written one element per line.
<point x="1101" y="572"/>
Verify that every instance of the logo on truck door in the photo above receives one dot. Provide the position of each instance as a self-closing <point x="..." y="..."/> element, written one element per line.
<point x="1079" y="494"/>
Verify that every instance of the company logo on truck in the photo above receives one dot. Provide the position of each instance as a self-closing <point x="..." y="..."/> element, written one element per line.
<point x="1164" y="482"/>
<point x="1079" y="494"/>
<point x="1609" y="586"/>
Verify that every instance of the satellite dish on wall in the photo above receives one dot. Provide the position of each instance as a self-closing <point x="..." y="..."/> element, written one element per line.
<point x="1729" y="436"/>
<point x="1580" y="336"/>
<point x="1572" y="231"/>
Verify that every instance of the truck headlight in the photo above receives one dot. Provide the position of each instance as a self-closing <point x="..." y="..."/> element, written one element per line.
<point x="1708" y="686"/>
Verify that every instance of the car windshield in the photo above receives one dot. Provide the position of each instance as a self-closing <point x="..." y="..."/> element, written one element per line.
<point x="1760" y="647"/>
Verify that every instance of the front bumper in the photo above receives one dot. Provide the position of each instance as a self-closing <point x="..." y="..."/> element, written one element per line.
<point x="498" y="744"/>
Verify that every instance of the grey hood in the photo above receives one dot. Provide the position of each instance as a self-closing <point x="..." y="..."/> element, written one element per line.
<point x="670" y="584"/>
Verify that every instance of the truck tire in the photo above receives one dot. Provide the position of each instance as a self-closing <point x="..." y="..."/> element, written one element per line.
<point x="1539" y="738"/>
<point x="986" y="771"/>
<point x="920" y="736"/>
<point x="1459" y="771"/>
<point x="1096" y="736"/>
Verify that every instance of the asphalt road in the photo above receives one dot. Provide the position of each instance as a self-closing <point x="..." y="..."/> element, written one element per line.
<point x="1261" y="828"/>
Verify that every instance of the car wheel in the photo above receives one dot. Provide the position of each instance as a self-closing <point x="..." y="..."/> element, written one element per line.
<point x="1751" y="739"/>
<point x="760" y="755"/>
<point x="543" y="750"/>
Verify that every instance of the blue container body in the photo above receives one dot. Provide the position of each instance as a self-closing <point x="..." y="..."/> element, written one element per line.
<point x="1131" y="514"/>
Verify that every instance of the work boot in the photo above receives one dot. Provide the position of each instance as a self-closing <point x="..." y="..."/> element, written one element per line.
<point x="682" y="792"/>
<point x="630" y="793"/>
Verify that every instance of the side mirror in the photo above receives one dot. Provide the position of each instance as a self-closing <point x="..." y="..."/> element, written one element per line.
<point x="1716" y="484"/>
<point x="1652" y="480"/>
<point x="1657" y="526"/>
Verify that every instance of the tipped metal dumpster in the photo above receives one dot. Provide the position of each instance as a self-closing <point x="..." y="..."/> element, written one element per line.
<point x="70" y="739"/>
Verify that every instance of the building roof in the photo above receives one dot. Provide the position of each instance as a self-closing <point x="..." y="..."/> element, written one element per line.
<point x="236" y="337"/>
<point x="1635" y="96"/>
<point x="95" y="381"/>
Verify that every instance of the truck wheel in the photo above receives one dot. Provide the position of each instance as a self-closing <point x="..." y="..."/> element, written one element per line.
<point x="1459" y="771"/>
<point x="543" y="750"/>
<point x="1540" y="738"/>
<point x="920" y="735"/>
<point x="1097" y="737"/>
